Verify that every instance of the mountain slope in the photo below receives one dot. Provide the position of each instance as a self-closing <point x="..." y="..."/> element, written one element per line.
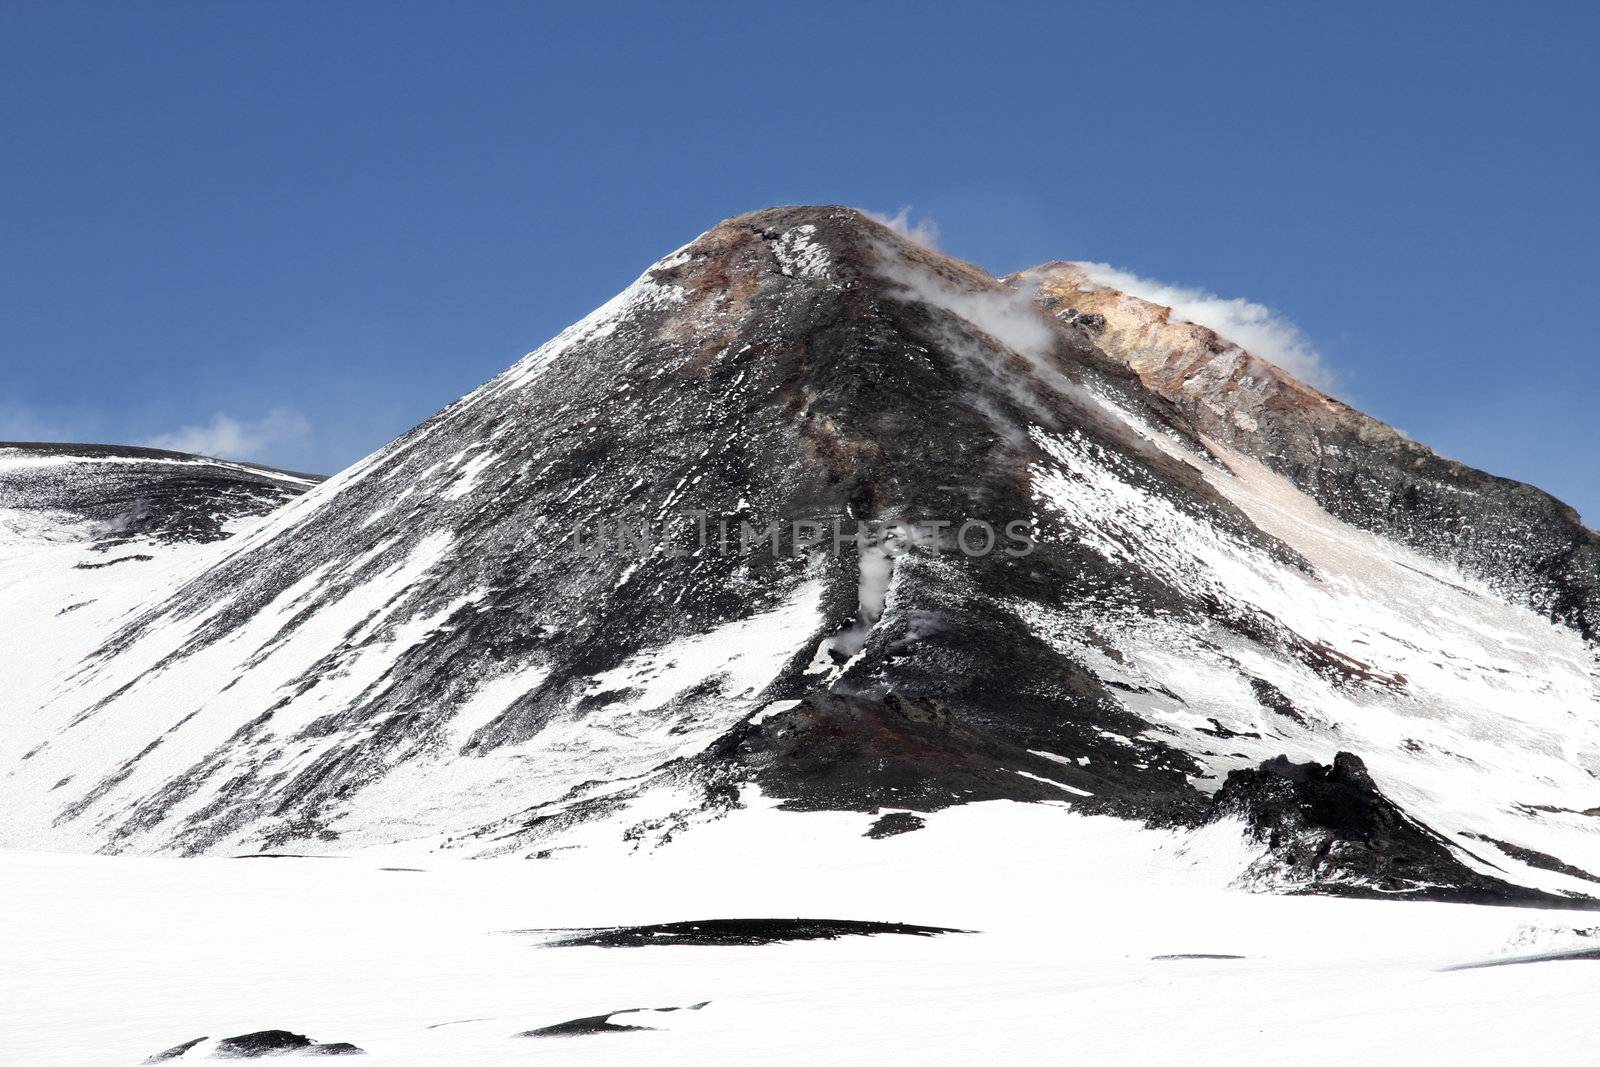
<point x="418" y="649"/>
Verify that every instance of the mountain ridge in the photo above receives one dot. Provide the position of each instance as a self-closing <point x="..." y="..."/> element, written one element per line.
<point x="1252" y="404"/>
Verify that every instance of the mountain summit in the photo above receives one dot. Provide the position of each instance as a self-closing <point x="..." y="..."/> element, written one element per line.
<point x="811" y="515"/>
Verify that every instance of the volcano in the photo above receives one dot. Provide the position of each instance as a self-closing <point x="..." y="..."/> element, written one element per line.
<point x="814" y="517"/>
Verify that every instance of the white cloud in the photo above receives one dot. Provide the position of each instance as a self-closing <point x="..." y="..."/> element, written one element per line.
<point x="1254" y="327"/>
<point x="280" y="433"/>
<point x="924" y="231"/>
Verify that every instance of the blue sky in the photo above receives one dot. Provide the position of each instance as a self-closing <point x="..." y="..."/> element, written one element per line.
<point x="295" y="230"/>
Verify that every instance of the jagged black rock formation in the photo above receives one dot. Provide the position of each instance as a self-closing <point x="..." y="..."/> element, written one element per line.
<point x="1329" y="827"/>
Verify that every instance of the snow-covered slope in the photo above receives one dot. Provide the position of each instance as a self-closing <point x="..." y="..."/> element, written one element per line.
<point x="416" y="649"/>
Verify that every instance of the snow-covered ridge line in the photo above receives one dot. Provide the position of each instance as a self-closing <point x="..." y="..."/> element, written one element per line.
<point x="18" y="456"/>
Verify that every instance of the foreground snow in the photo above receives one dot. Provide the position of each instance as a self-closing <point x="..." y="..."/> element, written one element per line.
<point x="110" y="959"/>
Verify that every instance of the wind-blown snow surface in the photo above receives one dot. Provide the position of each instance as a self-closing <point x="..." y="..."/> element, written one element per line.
<point x="1094" y="942"/>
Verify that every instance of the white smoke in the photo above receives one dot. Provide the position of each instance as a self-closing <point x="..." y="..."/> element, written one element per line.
<point x="1254" y="327"/>
<point x="1010" y="316"/>
<point x="281" y="433"/>
<point x="924" y="231"/>
<point x="877" y="547"/>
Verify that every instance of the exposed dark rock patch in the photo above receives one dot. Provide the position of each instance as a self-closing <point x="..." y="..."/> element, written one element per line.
<point x="1543" y="860"/>
<point x="261" y="1043"/>
<point x="731" y="932"/>
<point x="895" y="822"/>
<point x="137" y="557"/>
<point x="862" y="752"/>
<point x="277" y="1042"/>
<point x="593" y="1024"/>
<point x="1199" y="956"/>
<point x="601" y="1024"/>
<point x="175" y="1051"/>
<point x="1220" y="731"/>
<point x="1273" y="699"/>
<point x="1571" y="955"/>
<point x="1551" y="809"/>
